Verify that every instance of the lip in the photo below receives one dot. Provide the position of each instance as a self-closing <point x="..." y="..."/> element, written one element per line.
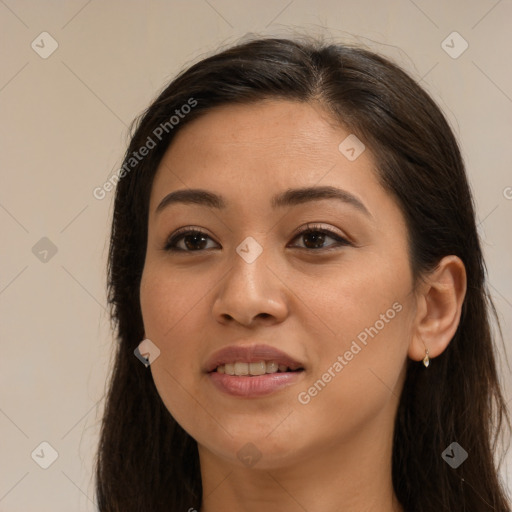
<point x="256" y="386"/>
<point x="250" y="354"/>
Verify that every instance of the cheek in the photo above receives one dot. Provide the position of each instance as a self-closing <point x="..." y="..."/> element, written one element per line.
<point x="367" y="313"/>
<point x="359" y="375"/>
<point x="364" y="300"/>
<point x="176" y="317"/>
<point x="167" y="308"/>
<point x="167" y="298"/>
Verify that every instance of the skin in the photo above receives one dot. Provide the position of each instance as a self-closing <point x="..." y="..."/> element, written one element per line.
<point x="311" y="303"/>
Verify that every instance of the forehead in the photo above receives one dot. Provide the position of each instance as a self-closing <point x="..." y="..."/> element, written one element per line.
<point x="272" y="125"/>
<point x="271" y="144"/>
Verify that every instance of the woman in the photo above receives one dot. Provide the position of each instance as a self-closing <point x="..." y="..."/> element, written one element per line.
<point x="295" y="263"/>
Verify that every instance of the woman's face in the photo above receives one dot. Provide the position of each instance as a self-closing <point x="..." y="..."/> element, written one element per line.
<point x="342" y="310"/>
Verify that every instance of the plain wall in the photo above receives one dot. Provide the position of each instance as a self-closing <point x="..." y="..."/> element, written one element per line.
<point x="64" y="123"/>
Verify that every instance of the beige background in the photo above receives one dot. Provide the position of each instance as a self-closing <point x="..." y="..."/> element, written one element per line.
<point x="64" y="125"/>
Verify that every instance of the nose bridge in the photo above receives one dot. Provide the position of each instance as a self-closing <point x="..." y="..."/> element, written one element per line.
<point x="250" y="263"/>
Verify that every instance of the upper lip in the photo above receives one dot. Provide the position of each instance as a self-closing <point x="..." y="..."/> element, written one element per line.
<point x="250" y="354"/>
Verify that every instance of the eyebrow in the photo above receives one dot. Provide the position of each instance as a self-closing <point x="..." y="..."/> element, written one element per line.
<point x="289" y="197"/>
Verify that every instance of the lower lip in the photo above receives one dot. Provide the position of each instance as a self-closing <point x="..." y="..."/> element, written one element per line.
<point x="259" y="385"/>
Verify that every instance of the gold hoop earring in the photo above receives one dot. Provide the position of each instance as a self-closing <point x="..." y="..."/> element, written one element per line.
<point x="426" y="359"/>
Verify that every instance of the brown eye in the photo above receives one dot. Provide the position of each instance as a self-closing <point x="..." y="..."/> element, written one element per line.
<point x="314" y="238"/>
<point x="193" y="241"/>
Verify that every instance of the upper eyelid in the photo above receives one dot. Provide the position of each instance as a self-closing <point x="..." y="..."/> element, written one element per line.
<point x="312" y="226"/>
<point x="309" y="227"/>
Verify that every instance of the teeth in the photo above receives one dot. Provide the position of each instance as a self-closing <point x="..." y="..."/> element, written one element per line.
<point x="241" y="369"/>
<point x="259" y="368"/>
<point x="272" y="367"/>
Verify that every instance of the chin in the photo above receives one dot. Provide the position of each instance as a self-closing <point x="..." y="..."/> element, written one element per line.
<point x="254" y="450"/>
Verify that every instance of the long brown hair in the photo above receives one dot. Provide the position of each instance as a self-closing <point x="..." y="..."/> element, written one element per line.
<point x="145" y="460"/>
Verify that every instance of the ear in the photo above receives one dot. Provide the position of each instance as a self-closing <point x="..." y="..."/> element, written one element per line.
<point x="439" y="301"/>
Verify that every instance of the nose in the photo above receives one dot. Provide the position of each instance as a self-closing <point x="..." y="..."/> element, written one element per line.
<point x="251" y="293"/>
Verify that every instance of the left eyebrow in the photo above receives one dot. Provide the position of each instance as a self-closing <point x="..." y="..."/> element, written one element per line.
<point x="289" y="197"/>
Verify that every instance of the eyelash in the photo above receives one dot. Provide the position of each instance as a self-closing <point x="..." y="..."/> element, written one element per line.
<point x="170" y="245"/>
